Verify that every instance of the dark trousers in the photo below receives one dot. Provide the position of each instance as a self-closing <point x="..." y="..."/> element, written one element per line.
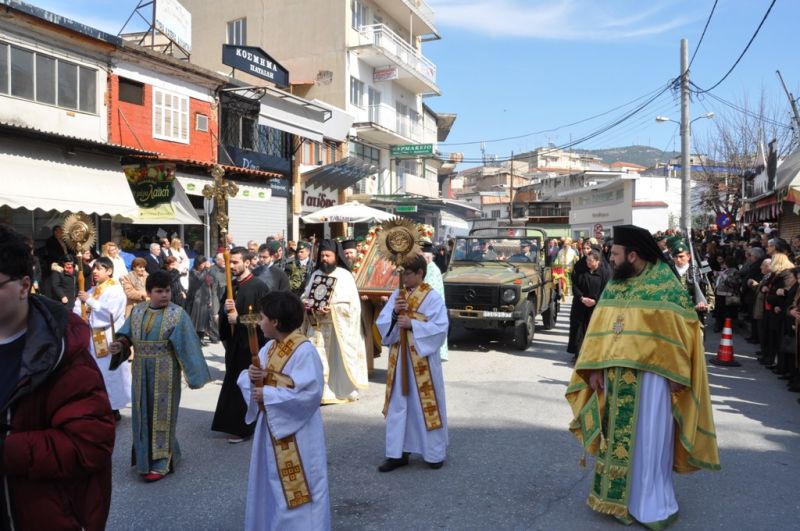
<point x="774" y="329"/>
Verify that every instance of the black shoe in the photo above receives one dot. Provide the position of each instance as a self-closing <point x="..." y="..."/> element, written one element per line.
<point x="435" y="466"/>
<point x="392" y="463"/>
<point x="784" y="377"/>
<point x="117" y="415"/>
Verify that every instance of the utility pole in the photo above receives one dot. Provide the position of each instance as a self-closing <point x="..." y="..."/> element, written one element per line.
<point x="686" y="169"/>
<point x="511" y="196"/>
<point x="793" y="103"/>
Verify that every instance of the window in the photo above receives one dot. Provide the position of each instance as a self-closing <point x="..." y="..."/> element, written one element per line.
<point x="402" y="119"/>
<point x="21" y="73"/>
<point x="366" y="153"/>
<point x="87" y="89"/>
<point x="131" y="91"/>
<point x="359" y="14"/>
<point x="356" y="92"/>
<point x="46" y="79"/>
<point x="3" y="68"/>
<point x="67" y="85"/>
<point x="237" y="32"/>
<point x="170" y="116"/>
<point x="249" y="133"/>
<point x="201" y="122"/>
<point x="374" y="101"/>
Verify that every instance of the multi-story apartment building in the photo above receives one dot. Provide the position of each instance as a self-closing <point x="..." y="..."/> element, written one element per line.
<point x="552" y="159"/>
<point x="363" y="56"/>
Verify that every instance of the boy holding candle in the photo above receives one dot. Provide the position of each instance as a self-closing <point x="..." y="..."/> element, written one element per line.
<point x="288" y="482"/>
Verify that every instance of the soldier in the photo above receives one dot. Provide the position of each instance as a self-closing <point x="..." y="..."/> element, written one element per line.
<point x="683" y="268"/>
<point x="299" y="270"/>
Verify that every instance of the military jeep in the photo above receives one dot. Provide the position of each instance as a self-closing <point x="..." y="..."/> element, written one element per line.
<point x="491" y="283"/>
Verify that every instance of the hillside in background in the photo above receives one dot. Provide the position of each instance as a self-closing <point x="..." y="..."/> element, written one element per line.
<point x="645" y="155"/>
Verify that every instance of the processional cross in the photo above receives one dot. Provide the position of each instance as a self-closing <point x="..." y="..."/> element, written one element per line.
<point x="220" y="191"/>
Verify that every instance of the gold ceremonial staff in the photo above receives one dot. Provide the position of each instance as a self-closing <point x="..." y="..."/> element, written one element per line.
<point x="251" y="320"/>
<point x="80" y="235"/>
<point x="398" y="241"/>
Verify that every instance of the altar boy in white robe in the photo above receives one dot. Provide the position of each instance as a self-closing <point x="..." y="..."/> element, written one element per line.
<point x="106" y="313"/>
<point x="287" y="487"/>
<point x="416" y="416"/>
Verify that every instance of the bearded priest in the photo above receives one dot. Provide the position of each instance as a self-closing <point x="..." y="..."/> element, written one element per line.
<point x="335" y="329"/>
<point x="639" y="392"/>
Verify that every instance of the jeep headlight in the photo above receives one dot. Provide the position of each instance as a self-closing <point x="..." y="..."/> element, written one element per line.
<point x="509" y="295"/>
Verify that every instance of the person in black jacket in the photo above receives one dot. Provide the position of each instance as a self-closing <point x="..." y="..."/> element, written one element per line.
<point x="178" y="293"/>
<point x="267" y="270"/>
<point x="776" y="304"/>
<point x="589" y="279"/>
<point x="64" y="283"/>
<point x="155" y="260"/>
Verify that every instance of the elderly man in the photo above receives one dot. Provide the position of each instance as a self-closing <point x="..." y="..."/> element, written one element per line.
<point x="336" y="329"/>
<point x="639" y="392"/>
<point x="155" y="260"/>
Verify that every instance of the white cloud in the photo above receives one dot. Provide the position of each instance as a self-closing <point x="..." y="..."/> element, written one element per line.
<point x="568" y="20"/>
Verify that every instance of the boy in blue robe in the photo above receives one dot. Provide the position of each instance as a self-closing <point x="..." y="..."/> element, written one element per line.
<point x="164" y="342"/>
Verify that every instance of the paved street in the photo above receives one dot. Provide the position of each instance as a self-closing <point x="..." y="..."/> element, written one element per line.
<point x="511" y="462"/>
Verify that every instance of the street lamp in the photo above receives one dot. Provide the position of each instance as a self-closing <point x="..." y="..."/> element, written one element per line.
<point x="686" y="168"/>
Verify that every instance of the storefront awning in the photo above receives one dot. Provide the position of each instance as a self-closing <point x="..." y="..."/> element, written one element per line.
<point x="449" y="220"/>
<point x="291" y="114"/>
<point x="178" y="212"/>
<point x="340" y="174"/>
<point x="39" y="175"/>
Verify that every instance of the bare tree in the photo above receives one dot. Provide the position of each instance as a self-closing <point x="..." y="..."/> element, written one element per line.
<point x="736" y="145"/>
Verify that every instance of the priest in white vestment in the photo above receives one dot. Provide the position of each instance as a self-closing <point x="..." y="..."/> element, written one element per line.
<point x="336" y="331"/>
<point x="105" y="304"/>
<point x="288" y="482"/>
<point x="415" y="411"/>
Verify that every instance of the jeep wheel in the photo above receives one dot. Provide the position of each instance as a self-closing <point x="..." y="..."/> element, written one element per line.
<point x="525" y="329"/>
<point x="550" y="315"/>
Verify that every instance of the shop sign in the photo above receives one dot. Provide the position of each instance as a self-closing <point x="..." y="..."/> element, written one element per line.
<point x="386" y="73"/>
<point x="255" y="61"/>
<point x="314" y="199"/>
<point x="405" y="208"/>
<point x="412" y="150"/>
<point x="151" y="184"/>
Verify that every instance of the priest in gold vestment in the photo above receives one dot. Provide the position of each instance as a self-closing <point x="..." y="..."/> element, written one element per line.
<point x="639" y="392"/>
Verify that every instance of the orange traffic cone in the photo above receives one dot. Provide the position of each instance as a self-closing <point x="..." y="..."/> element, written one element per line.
<point x="725" y="352"/>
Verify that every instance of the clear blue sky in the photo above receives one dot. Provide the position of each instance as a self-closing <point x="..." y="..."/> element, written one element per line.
<point x="509" y="67"/>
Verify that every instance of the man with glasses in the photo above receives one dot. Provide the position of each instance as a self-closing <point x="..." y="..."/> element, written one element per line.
<point x="57" y="432"/>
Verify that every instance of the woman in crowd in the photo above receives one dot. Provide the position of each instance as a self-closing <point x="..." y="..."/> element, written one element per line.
<point x="64" y="284"/>
<point x="776" y="302"/>
<point x="111" y="251"/>
<point x="134" y="284"/>
<point x="176" y="249"/>
<point x="87" y="264"/>
<point x="178" y="293"/>
<point x="588" y="281"/>
<point x="199" y="299"/>
<point x="793" y="363"/>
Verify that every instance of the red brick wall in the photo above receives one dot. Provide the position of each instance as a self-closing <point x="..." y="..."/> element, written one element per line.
<point x="132" y="125"/>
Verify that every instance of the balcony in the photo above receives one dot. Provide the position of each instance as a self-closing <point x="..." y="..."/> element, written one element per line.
<point x="383" y="124"/>
<point x="379" y="47"/>
<point x="422" y="21"/>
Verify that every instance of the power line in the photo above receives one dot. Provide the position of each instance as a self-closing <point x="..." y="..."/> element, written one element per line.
<point x="589" y="136"/>
<point x="704" y="32"/>
<point x="745" y="111"/>
<point x="718" y="83"/>
<point x="659" y="90"/>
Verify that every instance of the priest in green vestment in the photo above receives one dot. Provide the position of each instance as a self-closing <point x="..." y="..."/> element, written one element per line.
<point x="165" y="344"/>
<point x="639" y="392"/>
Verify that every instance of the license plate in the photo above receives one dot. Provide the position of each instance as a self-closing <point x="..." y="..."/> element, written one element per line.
<point x="498" y="315"/>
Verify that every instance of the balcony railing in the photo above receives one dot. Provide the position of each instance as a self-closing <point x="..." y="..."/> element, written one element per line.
<point x="400" y="51"/>
<point x="388" y="118"/>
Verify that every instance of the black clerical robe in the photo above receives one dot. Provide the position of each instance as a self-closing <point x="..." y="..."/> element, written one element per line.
<point x="231" y="407"/>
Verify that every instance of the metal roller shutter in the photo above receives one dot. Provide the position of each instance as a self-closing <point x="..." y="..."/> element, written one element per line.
<point x="789" y="224"/>
<point x="255" y="220"/>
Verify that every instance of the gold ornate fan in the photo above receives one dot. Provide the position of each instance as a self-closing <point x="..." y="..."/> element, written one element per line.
<point x="398" y="240"/>
<point x="79" y="232"/>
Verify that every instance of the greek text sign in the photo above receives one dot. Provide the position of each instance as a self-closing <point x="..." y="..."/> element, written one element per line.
<point x="255" y="61"/>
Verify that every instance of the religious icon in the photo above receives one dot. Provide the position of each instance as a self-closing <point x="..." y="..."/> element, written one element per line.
<point x="321" y="291"/>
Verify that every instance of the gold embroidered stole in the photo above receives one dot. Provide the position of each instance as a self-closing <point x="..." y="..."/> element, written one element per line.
<point x="421" y="366"/>
<point x="99" y="338"/>
<point x="287" y="454"/>
<point x="162" y="356"/>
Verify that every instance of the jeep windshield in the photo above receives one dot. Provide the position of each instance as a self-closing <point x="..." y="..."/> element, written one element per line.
<point x="497" y="250"/>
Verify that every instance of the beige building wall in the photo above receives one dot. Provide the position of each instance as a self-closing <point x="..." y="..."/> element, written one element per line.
<point x="308" y="37"/>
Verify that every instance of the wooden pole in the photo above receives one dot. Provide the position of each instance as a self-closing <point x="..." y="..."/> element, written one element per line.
<point x="228" y="279"/>
<point x="81" y="286"/>
<point x="403" y="338"/>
